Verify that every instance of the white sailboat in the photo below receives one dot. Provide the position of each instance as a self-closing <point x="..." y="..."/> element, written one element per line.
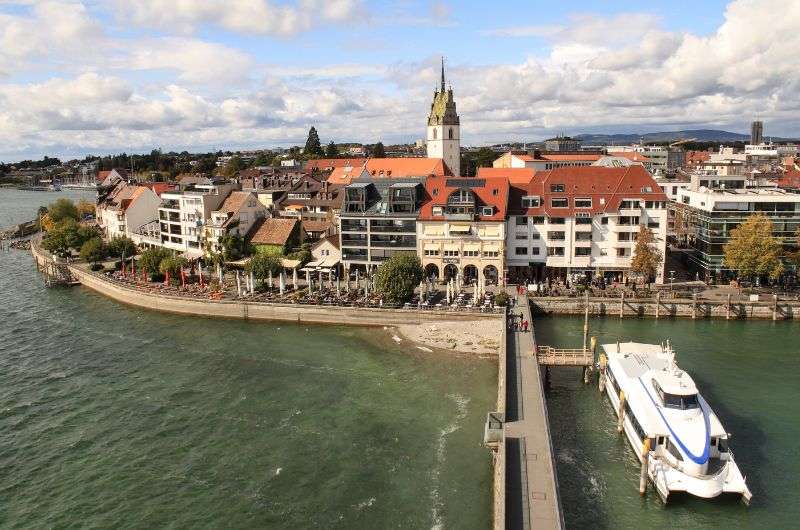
<point x="671" y="428"/>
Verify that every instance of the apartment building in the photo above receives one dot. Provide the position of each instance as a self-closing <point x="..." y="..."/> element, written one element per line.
<point x="126" y="208"/>
<point x="461" y="228"/>
<point x="182" y="215"/>
<point x="714" y="205"/>
<point x="378" y="219"/>
<point x="237" y="215"/>
<point x="582" y="221"/>
<point x="543" y="160"/>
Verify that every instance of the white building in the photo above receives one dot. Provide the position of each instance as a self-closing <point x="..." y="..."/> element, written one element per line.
<point x="582" y="221"/>
<point x="182" y="216"/>
<point x="237" y="215"/>
<point x="444" y="130"/>
<point x="125" y="209"/>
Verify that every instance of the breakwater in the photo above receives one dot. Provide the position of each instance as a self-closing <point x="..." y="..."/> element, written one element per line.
<point x="684" y="308"/>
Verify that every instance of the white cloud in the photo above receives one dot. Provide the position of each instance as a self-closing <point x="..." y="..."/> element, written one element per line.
<point x="261" y="17"/>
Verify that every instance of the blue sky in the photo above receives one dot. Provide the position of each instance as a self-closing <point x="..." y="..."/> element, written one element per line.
<point x="107" y="76"/>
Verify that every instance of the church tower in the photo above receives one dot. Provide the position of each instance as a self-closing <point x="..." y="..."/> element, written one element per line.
<point x="444" y="134"/>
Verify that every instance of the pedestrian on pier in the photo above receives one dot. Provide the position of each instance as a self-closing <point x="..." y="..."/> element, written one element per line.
<point x="525" y="326"/>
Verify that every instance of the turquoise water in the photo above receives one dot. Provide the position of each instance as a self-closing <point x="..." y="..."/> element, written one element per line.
<point x="116" y="417"/>
<point x="750" y="374"/>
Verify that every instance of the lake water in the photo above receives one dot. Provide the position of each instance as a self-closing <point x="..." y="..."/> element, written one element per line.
<point x="750" y="374"/>
<point x="117" y="417"/>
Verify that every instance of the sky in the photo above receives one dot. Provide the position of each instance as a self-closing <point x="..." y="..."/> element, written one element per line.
<point x="107" y="76"/>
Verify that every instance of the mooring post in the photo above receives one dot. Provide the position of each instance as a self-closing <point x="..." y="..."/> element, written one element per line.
<point x="601" y="373"/>
<point x="658" y="303"/>
<point x="694" y="306"/>
<point x="728" y="308"/>
<point x="645" y="459"/>
<point x="586" y="323"/>
<point x="621" y="411"/>
<point x="622" y="305"/>
<point x="774" y="307"/>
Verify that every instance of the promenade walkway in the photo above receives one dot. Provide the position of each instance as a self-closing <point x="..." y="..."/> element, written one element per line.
<point x="532" y="500"/>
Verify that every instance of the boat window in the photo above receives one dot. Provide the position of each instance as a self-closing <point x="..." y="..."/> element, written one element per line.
<point x="660" y="440"/>
<point x="722" y="445"/>
<point x="674" y="450"/>
<point x="675" y="401"/>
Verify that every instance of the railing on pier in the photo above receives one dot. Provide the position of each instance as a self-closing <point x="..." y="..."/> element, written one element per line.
<point x="549" y="356"/>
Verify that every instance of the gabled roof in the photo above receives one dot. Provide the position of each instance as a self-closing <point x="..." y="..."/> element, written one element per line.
<point x="633" y="156"/>
<point x="332" y="239"/>
<point x="570" y="157"/>
<point x="159" y="187"/>
<point x="606" y="186"/>
<point x="388" y="168"/>
<point x="273" y="231"/>
<point x="331" y="163"/>
<point x="316" y="226"/>
<point x="491" y="191"/>
<point x="234" y="202"/>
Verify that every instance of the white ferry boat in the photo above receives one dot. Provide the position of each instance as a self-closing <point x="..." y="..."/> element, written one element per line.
<point x="671" y="427"/>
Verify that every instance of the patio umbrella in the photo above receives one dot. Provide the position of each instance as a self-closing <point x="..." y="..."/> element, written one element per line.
<point x="475" y="299"/>
<point x="269" y="275"/>
<point x="366" y="286"/>
<point x="219" y="272"/>
<point x="294" y="278"/>
<point x="447" y="293"/>
<point x="357" y="279"/>
<point x="252" y="283"/>
<point x="238" y="284"/>
<point x="308" y="281"/>
<point x="338" y="286"/>
<point x="282" y="282"/>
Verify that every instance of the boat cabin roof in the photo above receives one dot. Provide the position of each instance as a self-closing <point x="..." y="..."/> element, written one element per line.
<point x="676" y="382"/>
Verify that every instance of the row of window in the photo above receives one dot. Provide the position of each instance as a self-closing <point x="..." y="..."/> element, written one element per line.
<point x="579" y="251"/>
<point x="465" y="254"/>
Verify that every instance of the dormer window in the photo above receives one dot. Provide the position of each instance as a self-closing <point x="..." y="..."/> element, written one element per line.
<point x="487" y="211"/>
<point x="531" y="202"/>
<point x="557" y="188"/>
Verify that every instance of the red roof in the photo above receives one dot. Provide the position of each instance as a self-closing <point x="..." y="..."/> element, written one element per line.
<point x="694" y="158"/>
<point x="388" y="168"/>
<point x="790" y="180"/>
<point x="630" y="155"/>
<point x="569" y="157"/>
<point x="491" y="191"/>
<point x="331" y="163"/>
<point x="606" y="186"/>
<point x="515" y="175"/>
<point x="159" y="187"/>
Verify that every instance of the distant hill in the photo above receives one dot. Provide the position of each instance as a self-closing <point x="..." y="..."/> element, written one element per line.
<point x="701" y="135"/>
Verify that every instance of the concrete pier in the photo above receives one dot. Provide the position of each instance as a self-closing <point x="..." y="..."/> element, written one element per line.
<point x="531" y="485"/>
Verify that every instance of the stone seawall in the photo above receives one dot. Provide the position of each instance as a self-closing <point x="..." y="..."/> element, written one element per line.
<point x="266" y="311"/>
<point x="615" y="307"/>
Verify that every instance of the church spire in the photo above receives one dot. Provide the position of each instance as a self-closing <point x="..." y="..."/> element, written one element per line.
<point x="442" y="73"/>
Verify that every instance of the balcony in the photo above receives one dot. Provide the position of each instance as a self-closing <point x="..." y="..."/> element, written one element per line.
<point x="387" y="241"/>
<point x="349" y="254"/>
<point x="349" y="240"/>
<point x="170" y="205"/>
<point x="169" y="216"/>
<point x="354" y="225"/>
<point x="408" y="227"/>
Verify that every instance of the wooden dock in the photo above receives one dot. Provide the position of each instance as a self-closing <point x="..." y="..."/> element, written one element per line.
<point x="549" y="356"/>
<point x="529" y="491"/>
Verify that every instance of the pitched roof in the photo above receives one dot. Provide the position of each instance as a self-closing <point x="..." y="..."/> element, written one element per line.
<point x="331" y="163"/>
<point x="333" y="239"/>
<point x="630" y="155"/>
<point x="273" y="231"/>
<point x="316" y="226"/>
<point x="491" y="191"/>
<point x="234" y="202"/>
<point x="606" y="186"/>
<point x="569" y="157"/>
<point x="159" y="187"/>
<point x="515" y="175"/>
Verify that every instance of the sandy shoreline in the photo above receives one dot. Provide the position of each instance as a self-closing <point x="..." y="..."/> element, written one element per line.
<point x="480" y="337"/>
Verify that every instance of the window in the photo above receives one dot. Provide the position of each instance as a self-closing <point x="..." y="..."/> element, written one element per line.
<point x="522" y="221"/>
<point x="653" y="224"/>
<point x="583" y="236"/>
<point x="521" y="251"/>
<point x="629" y="204"/>
<point x="557" y="188"/>
<point x="535" y="251"/>
<point x="450" y="133"/>
<point x="583" y="251"/>
<point x="624" y="236"/>
<point x="559" y="203"/>
<point x="531" y="202"/>
<point x="431" y="253"/>
<point x="435" y="134"/>
<point x="487" y="211"/>
<point x="490" y="254"/>
<point x="535" y="235"/>
<point x="555" y="251"/>
<point x="556" y="236"/>
<point x="521" y="236"/>
<point x="556" y="221"/>
<point x="622" y="252"/>
<point x="437" y="210"/>
<point x="583" y="203"/>
<point x="604" y="220"/>
<point x="471" y="253"/>
<point x="537" y="220"/>
<point x="450" y="253"/>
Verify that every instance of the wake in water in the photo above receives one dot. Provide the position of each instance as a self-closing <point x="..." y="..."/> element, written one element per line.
<point x="461" y="403"/>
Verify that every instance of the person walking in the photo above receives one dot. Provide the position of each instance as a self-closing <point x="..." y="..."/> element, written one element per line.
<point x="525" y="326"/>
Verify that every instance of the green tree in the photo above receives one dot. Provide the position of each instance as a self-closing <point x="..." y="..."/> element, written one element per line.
<point x="261" y="265"/>
<point x="63" y="209"/>
<point x="234" y="247"/>
<point x="62" y="237"/>
<point x="172" y="265"/>
<point x="303" y="254"/>
<point x="794" y="255"/>
<point x="93" y="250"/>
<point x="752" y="249"/>
<point x="313" y="146"/>
<point x="121" y="245"/>
<point x="397" y="277"/>
<point x="233" y="167"/>
<point x="378" y="151"/>
<point x="331" y="151"/>
<point x="646" y="258"/>
<point x="150" y="260"/>
<point x="261" y="160"/>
